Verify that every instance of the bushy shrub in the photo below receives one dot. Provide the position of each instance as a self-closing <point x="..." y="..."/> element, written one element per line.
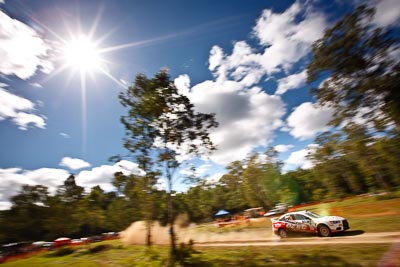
<point x="63" y="251"/>
<point x="100" y="248"/>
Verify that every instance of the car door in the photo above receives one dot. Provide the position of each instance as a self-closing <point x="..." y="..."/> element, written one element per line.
<point x="290" y="223"/>
<point x="304" y="223"/>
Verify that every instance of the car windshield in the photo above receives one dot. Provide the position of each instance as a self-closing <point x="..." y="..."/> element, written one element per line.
<point x="313" y="215"/>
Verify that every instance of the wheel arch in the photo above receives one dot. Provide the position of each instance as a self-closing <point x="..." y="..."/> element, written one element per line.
<point x="323" y="225"/>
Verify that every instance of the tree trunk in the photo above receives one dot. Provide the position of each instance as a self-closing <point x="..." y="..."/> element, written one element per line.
<point x="148" y="234"/>
<point x="381" y="181"/>
<point x="172" y="256"/>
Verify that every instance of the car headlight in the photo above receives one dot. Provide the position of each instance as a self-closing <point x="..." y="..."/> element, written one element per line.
<point x="334" y="222"/>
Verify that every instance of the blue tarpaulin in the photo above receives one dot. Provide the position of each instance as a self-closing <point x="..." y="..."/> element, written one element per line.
<point x="221" y="213"/>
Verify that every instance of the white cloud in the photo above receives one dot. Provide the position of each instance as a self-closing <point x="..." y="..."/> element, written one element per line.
<point x="65" y="135"/>
<point x="241" y="66"/>
<point x="22" y="50"/>
<point x="73" y="163"/>
<point x="128" y="167"/>
<point x="183" y="84"/>
<point x="308" y="119"/>
<point x="23" y="120"/>
<point x="247" y="117"/>
<point x="298" y="159"/>
<point x="16" y="108"/>
<point x="291" y="82"/>
<point x="286" y="39"/>
<point x="387" y="12"/>
<point x="49" y="177"/>
<point x="204" y="168"/>
<point x="104" y="174"/>
<point x="213" y="179"/>
<point x="13" y="178"/>
<point x="216" y="57"/>
<point x="5" y="205"/>
<point x="36" y="85"/>
<point x="283" y="148"/>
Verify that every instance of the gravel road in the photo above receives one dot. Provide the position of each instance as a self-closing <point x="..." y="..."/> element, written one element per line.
<point x="349" y="237"/>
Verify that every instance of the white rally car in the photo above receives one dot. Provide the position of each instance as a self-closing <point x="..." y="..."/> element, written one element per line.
<point x="308" y="222"/>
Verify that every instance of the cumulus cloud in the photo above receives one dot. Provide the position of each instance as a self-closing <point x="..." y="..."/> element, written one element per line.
<point x="308" y="119"/>
<point x="291" y="82"/>
<point x="213" y="179"/>
<point x="23" y="120"/>
<point x="241" y="66"/>
<point x="19" y="110"/>
<point x="36" y="85"/>
<point x="103" y="175"/>
<point x="387" y="12"/>
<point x="183" y="84"/>
<point x="216" y="57"/>
<point x="13" y="178"/>
<point x="73" y="163"/>
<point x="49" y="177"/>
<point x="247" y="116"/>
<point x="287" y="36"/>
<point x="22" y="50"/>
<point x="283" y="148"/>
<point x="298" y="159"/>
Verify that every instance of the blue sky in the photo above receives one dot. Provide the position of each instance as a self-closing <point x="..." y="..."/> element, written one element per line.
<point x="243" y="60"/>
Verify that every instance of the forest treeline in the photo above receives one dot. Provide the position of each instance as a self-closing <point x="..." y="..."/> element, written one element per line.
<point x="359" y="154"/>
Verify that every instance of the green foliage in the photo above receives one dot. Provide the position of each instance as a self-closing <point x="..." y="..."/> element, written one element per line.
<point x="363" y="74"/>
<point x="62" y="252"/>
<point x="70" y="191"/>
<point x="363" y="80"/>
<point x="100" y="248"/>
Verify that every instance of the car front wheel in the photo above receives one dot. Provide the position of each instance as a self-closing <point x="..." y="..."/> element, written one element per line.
<point x="282" y="233"/>
<point x="324" y="231"/>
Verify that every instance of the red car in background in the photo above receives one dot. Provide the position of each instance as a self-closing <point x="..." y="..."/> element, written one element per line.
<point x="62" y="241"/>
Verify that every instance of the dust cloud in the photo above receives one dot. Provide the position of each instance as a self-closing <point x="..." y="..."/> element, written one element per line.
<point x="136" y="234"/>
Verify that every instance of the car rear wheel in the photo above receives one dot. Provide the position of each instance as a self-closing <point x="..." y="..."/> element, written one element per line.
<point x="282" y="233"/>
<point x="324" y="231"/>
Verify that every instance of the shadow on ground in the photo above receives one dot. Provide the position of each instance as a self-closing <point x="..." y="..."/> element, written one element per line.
<point x="346" y="233"/>
<point x="351" y="233"/>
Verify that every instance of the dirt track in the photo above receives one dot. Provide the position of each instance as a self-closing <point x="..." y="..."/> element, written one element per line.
<point x="349" y="237"/>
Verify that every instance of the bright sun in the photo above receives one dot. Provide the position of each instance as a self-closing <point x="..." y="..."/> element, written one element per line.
<point x="82" y="54"/>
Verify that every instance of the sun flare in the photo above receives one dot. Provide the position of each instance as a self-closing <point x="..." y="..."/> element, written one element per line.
<point x="82" y="54"/>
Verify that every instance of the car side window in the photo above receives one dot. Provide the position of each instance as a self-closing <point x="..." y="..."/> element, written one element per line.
<point x="287" y="218"/>
<point x="299" y="217"/>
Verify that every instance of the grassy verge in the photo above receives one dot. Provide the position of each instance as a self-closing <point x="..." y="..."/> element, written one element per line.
<point x="118" y="255"/>
<point x="365" y="213"/>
